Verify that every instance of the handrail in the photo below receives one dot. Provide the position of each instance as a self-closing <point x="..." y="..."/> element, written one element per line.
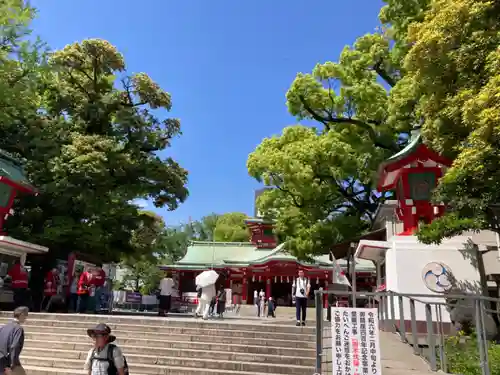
<point x="433" y="317"/>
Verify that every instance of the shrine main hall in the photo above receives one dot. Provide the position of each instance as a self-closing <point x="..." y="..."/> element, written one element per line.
<point x="261" y="264"/>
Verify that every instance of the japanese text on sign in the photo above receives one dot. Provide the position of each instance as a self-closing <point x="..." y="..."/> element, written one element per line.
<point x="355" y="342"/>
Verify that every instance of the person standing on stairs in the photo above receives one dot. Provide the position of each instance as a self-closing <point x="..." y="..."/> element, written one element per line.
<point x="207" y="293"/>
<point x="12" y="342"/>
<point x="166" y="290"/>
<point x="256" y="301"/>
<point x="262" y="303"/>
<point x="300" y="292"/>
<point x="104" y="358"/>
<point x="221" y="302"/>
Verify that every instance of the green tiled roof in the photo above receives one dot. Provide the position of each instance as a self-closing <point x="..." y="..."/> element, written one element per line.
<point x="241" y="254"/>
<point x="12" y="169"/>
<point x="413" y="143"/>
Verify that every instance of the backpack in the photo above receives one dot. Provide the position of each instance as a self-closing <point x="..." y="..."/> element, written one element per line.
<point x="112" y="370"/>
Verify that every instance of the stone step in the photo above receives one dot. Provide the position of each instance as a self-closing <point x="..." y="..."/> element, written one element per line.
<point x="193" y="330"/>
<point x="226" y="324"/>
<point x="41" y="332"/>
<point x="79" y="342"/>
<point x="38" y="370"/>
<point x="58" y="344"/>
<point x="153" y="365"/>
<point x="80" y="351"/>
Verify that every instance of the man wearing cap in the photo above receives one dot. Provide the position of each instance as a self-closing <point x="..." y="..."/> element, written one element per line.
<point x="98" y="362"/>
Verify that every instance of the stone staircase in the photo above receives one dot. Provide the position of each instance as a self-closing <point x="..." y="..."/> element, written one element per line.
<point x="58" y="344"/>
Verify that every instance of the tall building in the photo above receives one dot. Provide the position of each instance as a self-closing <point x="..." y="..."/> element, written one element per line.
<point x="258" y="193"/>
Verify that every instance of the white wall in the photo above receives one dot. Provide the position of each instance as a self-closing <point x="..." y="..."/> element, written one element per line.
<point x="406" y="260"/>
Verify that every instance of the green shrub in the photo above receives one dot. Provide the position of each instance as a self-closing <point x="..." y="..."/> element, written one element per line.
<point x="462" y="355"/>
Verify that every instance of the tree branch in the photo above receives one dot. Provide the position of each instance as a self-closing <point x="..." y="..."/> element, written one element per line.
<point x="383" y="73"/>
<point x="327" y="121"/>
<point x="293" y="196"/>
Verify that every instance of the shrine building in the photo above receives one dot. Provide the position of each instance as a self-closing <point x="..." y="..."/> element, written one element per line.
<point x="468" y="263"/>
<point x="261" y="264"/>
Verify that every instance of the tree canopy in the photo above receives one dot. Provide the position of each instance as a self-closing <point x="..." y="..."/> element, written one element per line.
<point x="454" y="84"/>
<point x="227" y="227"/>
<point x="432" y="65"/>
<point x="325" y="176"/>
<point x="89" y="133"/>
<point x="231" y="227"/>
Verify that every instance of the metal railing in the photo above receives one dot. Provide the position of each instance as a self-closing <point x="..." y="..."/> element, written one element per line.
<point x="421" y="320"/>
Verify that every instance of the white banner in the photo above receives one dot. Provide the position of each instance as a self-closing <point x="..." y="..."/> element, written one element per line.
<point x="355" y="342"/>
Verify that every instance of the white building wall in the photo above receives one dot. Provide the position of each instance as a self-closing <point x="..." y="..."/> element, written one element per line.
<point x="406" y="260"/>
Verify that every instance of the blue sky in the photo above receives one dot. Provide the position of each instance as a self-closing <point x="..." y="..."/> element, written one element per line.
<point x="227" y="64"/>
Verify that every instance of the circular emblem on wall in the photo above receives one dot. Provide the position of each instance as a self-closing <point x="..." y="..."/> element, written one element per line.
<point x="437" y="277"/>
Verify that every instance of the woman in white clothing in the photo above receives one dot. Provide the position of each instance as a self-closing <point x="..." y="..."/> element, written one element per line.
<point x="207" y="293"/>
<point x="166" y="289"/>
<point x="262" y="303"/>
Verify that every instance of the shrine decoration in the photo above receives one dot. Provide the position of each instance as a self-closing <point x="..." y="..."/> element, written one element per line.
<point x="262" y="233"/>
<point x="413" y="174"/>
<point x="12" y="182"/>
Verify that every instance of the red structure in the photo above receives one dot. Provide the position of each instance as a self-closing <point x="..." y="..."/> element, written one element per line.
<point x="262" y="233"/>
<point x="12" y="181"/>
<point x="413" y="174"/>
<point x="259" y="264"/>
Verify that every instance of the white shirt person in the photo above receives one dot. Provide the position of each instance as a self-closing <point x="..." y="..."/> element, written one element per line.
<point x="300" y="291"/>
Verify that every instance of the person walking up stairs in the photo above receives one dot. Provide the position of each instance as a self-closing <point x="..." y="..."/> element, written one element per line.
<point x="59" y="344"/>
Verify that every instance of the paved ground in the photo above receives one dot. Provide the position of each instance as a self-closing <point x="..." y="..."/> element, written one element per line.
<point x="398" y="357"/>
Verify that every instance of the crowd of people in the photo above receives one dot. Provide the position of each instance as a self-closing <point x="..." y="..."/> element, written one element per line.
<point x="57" y="297"/>
<point x="212" y="299"/>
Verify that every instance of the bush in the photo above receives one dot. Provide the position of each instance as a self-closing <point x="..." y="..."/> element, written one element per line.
<point x="462" y="355"/>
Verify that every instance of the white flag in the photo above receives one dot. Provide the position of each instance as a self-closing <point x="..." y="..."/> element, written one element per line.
<point x="339" y="276"/>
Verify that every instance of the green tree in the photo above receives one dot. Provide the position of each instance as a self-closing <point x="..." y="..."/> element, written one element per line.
<point x="452" y="77"/>
<point x="325" y="176"/>
<point x="21" y="70"/>
<point x="94" y="149"/>
<point x="142" y="275"/>
<point x="148" y="239"/>
<point x="175" y="242"/>
<point x="231" y="227"/>
<point x="203" y="230"/>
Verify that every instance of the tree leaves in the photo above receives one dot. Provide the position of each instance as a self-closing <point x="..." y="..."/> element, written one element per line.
<point x="325" y="177"/>
<point x="452" y="76"/>
<point x="231" y="227"/>
<point x="88" y="133"/>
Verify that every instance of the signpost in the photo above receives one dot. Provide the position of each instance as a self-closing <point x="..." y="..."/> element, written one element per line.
<point x="133" y="298"/>
<point x="355" y="342"/>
